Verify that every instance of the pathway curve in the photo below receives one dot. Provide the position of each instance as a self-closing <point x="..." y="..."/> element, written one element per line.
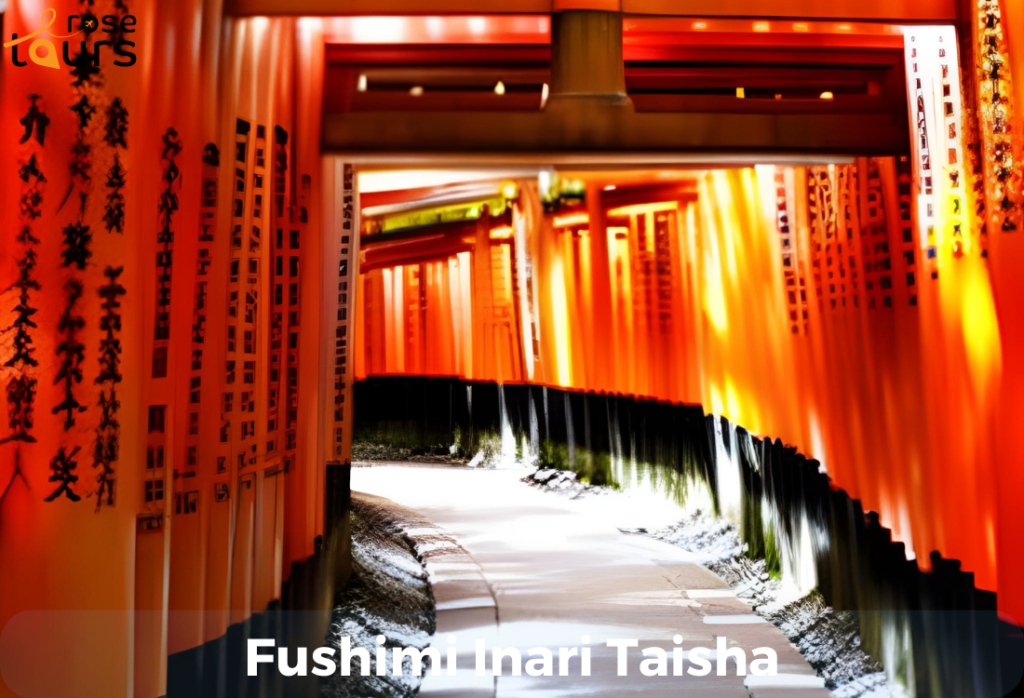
<point x="558" y="569"/>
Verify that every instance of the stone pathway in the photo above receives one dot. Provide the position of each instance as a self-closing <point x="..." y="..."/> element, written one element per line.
<point x="538" y="570"/>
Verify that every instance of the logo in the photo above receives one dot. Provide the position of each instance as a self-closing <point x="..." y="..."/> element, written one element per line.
<point x="42" y="52"/>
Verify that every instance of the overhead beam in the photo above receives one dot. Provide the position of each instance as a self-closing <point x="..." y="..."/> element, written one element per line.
<point x="313" y="8"/>
<point x="895" y="11"/>
<point x="588" y="110"/>
<point x="916" y="11"/>
<point x="613" y="131"/>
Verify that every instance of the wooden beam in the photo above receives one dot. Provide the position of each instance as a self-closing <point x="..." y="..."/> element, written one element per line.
<point x="896" y="11"/>
<point x="918" y="11"/>
<point x="808" y="108"/>
<point x="313" y="8"/>
<point x="614" y="131"/>
<point x="422" y="245"/>
<point x="438" y="55"/>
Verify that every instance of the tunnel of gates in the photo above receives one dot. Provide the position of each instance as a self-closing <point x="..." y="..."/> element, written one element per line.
<point x="184" y="311"/>
<point x="935" y="632"/>
<point x="592" y="327"/>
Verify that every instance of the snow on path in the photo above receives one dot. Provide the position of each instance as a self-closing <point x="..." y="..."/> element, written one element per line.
<point x="560" y="569"/>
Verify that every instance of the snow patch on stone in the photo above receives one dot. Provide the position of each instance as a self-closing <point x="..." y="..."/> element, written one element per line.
<point x="388" y="594"/>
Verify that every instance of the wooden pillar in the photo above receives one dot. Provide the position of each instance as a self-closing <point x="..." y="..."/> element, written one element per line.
<point x="601" y="294"/>
<point x="484" y="361"/>
<point x="1006" y="249"/>
<point x="547" y="368"/>
<point x="1013" y="24"/>
<point x="341" y="243"/>
<point x="338" y="524"/>
<point x="586" y="61"/>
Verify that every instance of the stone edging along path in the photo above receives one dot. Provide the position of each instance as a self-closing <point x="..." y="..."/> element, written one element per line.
<point x="464" y="602"/>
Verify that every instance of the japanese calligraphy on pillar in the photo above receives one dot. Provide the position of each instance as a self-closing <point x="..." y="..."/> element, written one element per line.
<point x="72" y="351"/>
<point x="874" y="237"/>
<point x="63" y="467"/>
<point x="917" y="58"/>
<point x="821" y="220"/>
<point x="107" y="447"/>
<point x="108" y="431"/>
<point x="877" y="252"/>
<point x="844" y="272"/>
<point x="284" y="304"/>
<point x="1002" y="180"/>
<point x="75" y="254"/>
<point x="298" y="218"/>
<point x="250" y="320"/>
<point x="239" y="191"/>
<point x="346" y="264"/>
<point x="115" y="136"/>
<point x="792" y="256"/>
<point x="21" y="381"/>
<point x="204" y="259"/>
<point x="167" y="207"/>
<point x="76" y="244"/>
<point x="954" y="204"/>
<point x="933" y="80"/>
<point x="248" y="219"/>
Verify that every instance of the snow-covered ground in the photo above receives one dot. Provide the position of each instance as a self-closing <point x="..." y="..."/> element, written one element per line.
<point x="388" y="595"/>
<point x="561" y="569"/>
<point x="828" y="639"/>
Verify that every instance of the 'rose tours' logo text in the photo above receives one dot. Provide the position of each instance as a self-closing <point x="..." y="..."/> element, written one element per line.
<point x="41" y="49"/>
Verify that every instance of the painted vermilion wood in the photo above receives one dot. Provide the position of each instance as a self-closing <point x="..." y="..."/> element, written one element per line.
<point x="901" y="10"/>
<point x="168" y="577"/>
